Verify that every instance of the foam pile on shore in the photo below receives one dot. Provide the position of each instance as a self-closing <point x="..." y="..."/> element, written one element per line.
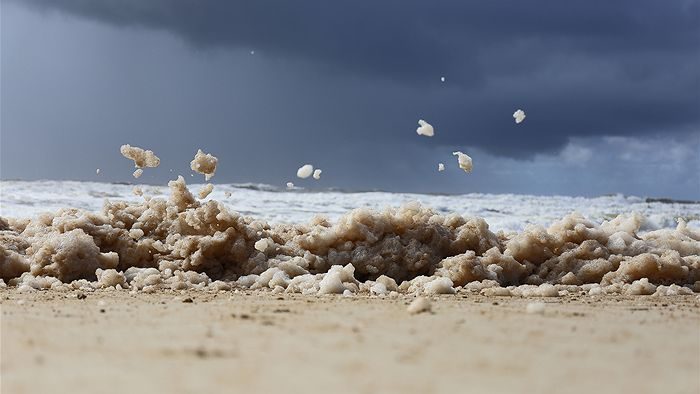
<point x="183" y="243"/>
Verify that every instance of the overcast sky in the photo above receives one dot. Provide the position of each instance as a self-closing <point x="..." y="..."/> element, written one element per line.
<point x="611" y="91"/>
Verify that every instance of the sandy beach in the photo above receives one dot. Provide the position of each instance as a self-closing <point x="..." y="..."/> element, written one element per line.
<point x="257" y="342"/>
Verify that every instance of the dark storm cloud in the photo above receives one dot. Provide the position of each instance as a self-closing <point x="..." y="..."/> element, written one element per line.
<point x="579" y="68"/>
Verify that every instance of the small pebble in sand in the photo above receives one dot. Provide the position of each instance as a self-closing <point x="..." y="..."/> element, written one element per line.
<point x="535" y="308"/>
<point x="204" y="163"/>
<point x="465" y="162"/>
<point x="317" y="174"/>
<point x="305" y="171"/>
<point x="425" y="129"/>
<point x="420" y="304"/>
<point x="441" y="167"/>
<point x="519" y="116"/>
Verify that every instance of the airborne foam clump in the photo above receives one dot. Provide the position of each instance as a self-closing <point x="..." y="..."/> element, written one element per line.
<point x="142" y="158"/>
<point x="519" y="116"/>
<point x="138" y="173"/>
<point x="97" y="171"/>
<point x="441" y="167"/>
<point x="317" y="174"/>
<point x="305" y="171"/>
<point x="425" y="129"/>
<point x="205" y="164"/>
<point x="464" y="161"/>
<point x="205" y="190"/>
<point x="290" y="185"/>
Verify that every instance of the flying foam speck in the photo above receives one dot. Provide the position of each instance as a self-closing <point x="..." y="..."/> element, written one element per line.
<point x="425" y="129"/>
<point x="142" y="158"/>
<point x="317" y="174"/>
<point x="305" y="171"/>
<point x="441" y="167"/>
<point x="465" y="162"/>
<point x="205" y="190"/>
<point x="519" y="116"/>
<point x="204" y="163"/>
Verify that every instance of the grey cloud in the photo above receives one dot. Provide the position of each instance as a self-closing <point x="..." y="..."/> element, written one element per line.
<point x="580" y="68"/>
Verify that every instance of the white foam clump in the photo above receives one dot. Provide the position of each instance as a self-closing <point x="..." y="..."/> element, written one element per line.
<point x="332" y="282"/>
<point x="543" y="290"/>
<point x="519" y="116"/>
<point x="432" y="285"/>
<point x="425" y="129"/>
<point x="97" y="171"/>
<point x="419" y="305"/>
<point x="290" y="185"/>
<point x="441" y="167"/>
<point x="142" y="158"/>
<point x="640" y="287"/>
<point x="465" y="162"/>
<point x="672" y="290"/>
<point x="137" y="191"/>
<point x="317" y="174"/>
<point x="152" y="279"/>
<point x="110" y="278"/>
<point x="305" y="171"/>
<point x="439" y="285"/>
<point x="535" y="308"/>
<point x="205" y="190"/>
<point x="496" y="291"/>
<point x="263" y="244"/>
<point x="204" y="163"/>
<point x="137" y="174"/>
<point x="378" y="288"/>
<point x="595" y="290"/>
<point x="442" y="79"/>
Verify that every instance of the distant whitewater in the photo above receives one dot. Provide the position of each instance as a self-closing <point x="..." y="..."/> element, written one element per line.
<point x="508" y="212"/>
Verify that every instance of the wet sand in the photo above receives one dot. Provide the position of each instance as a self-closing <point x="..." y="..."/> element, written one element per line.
<point x="255" y="342"/>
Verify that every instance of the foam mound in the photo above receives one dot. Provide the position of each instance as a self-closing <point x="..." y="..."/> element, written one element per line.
<point x="183" y="243"/>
